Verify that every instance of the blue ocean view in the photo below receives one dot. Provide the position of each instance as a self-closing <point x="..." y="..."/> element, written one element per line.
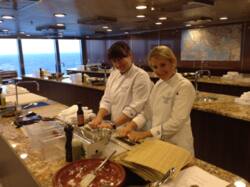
<point x="33" y="62"/>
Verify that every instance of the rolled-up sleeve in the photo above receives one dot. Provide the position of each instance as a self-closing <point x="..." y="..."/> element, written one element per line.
<point x="139" y="120"/>
<point x="140" y="93"/>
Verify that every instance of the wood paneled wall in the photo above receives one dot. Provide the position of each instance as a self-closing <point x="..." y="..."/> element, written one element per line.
<point x="142" y="43"/>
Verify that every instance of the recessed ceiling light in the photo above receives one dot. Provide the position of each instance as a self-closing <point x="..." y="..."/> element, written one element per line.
<point x="59" y="15"/>
<point x="21" y="32"/>
<point x="141" y="7"/>
<point x="224" y="18"/>
<point x="7" y="17"/>
<point x="60" y="24"/>
<point x="109" y="30"/>
<point x="188" y="25"/>
<point x="125" y="32"/>
<point x="140" y="16"/>
<point x="158" y="23"/>
<point x="5" y="30"/>
<point x="162" y="18"/>
<point x="1" y="21"/>
<point x="152" y="8"/>
<point x="28" y="35"/>
<point x="105" y="27"/>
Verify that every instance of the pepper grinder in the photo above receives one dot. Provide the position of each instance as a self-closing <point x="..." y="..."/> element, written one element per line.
<point x="68" y="145"/>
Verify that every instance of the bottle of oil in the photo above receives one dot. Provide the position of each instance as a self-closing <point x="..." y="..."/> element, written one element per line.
<point x="80" y="115"/>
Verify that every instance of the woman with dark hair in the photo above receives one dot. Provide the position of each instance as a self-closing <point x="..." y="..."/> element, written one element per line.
<point x="127" y="89"/>
<point x="167" y="112"/>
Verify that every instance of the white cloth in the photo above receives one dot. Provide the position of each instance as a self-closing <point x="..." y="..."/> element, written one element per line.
<point x="11" y="90"/>
<point x="69" y="115"/>
<point x="126" y="93"/>
<point x="26" y="98"/>
<point x="168" y="111"/>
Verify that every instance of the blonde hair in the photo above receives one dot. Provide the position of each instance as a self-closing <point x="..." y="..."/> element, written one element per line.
<point x="163" y="52"/>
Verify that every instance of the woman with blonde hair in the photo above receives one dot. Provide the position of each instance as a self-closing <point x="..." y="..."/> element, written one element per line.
<point x="167" y="112"/>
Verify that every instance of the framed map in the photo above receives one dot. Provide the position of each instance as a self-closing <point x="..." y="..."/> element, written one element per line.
<point x="221" y="43"/>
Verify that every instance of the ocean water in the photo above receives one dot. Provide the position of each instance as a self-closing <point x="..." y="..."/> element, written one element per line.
<point x="32" y="62"/>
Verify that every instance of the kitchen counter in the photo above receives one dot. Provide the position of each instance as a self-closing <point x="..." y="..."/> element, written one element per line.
<point x="204" y="79"/>
<point x="223" y="105"/>
<point x="219" y="80"/>
<point x="43" y="170"/>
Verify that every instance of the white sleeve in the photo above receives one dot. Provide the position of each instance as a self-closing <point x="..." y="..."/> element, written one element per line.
<point x="106" y="99"/>
<point x="182" y="106"/>
<point x="140" y="93"/>
<point x="139" y="120"/>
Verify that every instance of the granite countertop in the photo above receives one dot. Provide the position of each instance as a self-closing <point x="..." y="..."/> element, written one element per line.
<point x="44" y="170"/>
<point x="244" y="82"/>
<point x="223" y="105"/>
<point x="219" y="80"/>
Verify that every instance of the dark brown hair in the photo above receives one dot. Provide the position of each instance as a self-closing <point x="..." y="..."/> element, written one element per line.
<point x="119" y="50"/>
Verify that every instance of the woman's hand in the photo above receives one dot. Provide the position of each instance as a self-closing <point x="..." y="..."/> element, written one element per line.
<point x="138" y="135"/>
<point x="96" y="122"/>
<point x="106" y="125"/>
<point x="130" y="126"/>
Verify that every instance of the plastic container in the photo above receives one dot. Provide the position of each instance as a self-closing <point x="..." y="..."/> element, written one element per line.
<point x="42" y="131"/>
<point x="53" y="148"/>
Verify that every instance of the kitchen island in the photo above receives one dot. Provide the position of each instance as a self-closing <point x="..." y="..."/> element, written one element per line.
<point x="220" y="126"/>
<point x="44" y="170"/>
<point x="215" y="84"/>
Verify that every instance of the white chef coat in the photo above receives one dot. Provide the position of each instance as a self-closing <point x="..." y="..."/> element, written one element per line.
<point x="126" y="93"/>
<point x="168" y="111"/>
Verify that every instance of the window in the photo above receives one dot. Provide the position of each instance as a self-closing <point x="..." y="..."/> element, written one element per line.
<point x="70" y="53"/>
<point x="39" y="53"/>
<point x="9" y="55"/>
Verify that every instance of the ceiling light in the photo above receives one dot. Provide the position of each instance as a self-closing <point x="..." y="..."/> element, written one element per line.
<point x="224" y="18"/>
<point x="28" y="35"/>
<point x="162" y="18"/>
<point x="7" y="17"/>
<point x="21" y="32"/>
<point x="158" y="23"/>
<point x="60" y="24"/>
<point x="140" y="16"/>
<point x="125" y="32"/>
<point x="5" y="30"/>
<point x="105" y="27"/>
<point x="188" y="25"/>
<point x="152" y="8"/>
<point x="59" y="15"/>
<point x="109" y="30"/>
<point x="1" y="21"/>
<point x="141" y="7"/>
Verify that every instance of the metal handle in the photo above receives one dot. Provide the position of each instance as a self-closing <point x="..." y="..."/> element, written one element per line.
<point x="165" y="177"/>
<point x="104" y="162"/>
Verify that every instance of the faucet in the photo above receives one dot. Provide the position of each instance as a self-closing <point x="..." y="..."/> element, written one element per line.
<point x="202" y="71"/>
<point x="199" y="74"/>
<point x="24" y="82"/>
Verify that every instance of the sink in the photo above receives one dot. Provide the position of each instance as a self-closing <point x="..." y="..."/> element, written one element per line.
<point x="206" y="99"/>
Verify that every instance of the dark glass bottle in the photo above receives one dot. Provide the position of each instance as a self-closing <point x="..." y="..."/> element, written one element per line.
<point x="68" y="145"/>
<point x="80" y="115"/>
<point x="41" y="72"/>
